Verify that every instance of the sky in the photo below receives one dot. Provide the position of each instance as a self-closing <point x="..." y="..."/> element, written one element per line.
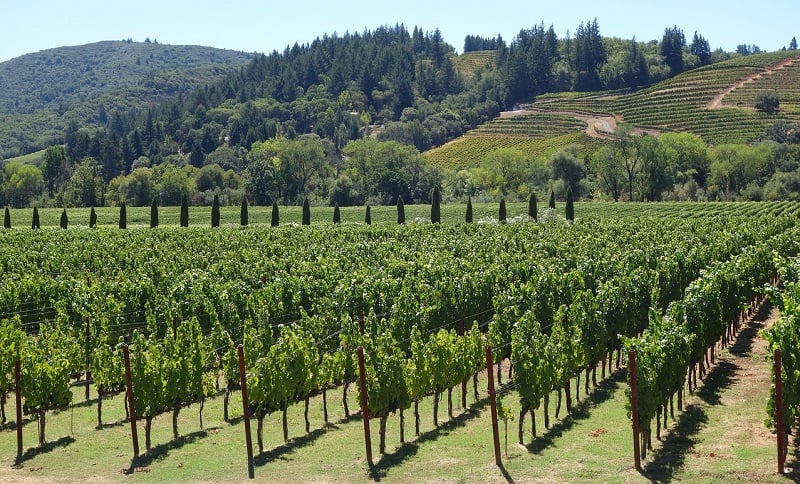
<point x="263" y="26"/>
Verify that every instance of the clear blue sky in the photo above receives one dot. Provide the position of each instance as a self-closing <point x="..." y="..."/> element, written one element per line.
<point x="262" y="26"/>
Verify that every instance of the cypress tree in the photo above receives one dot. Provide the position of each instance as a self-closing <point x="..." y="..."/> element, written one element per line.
<point x="533" y="211"/>
<point x="401" y="210"/>
<point x="502" y="214"/>
<point x="35" y="221"/>
<point x="215" y="212"/>
<point x="552" y="203"/>
<point x="570" y="210"/>
<point x="436" y="206"/>
<point x="92" y="219"/>
<point x="306" y="212"/>
<point x="184" y="211"/>
<point x="337" y="215"/>
<point x="275" y="215"/>
<point x="368" y="217"/>
<point x="469" y="210"/>
<point x="123" y="216"/>
<point x="154" y="213"/>
<point x="64" y="220"/>
<point x="244" y="216"/>
<point x="7" y="219"/>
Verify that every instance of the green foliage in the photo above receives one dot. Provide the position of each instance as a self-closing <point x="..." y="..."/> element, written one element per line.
<point x="570" y="206"/>
<point x="45" y="376"/>
<point x="154" y="213"/>
<point x="35" y="224"/>
<point x="436" y="206"/>
<point x="82" y="83"/>
<point x="184" y="221"/>
<point x="401" y="211"/>
<point x="275" y="220"/>
<point x="533" y="211"/>
<point x="244" y="218"/>
<point x="768" y="102"/>
<point x="123" y="216"/>
<point x="306" y="212"/>
<point x="215" y="211"/>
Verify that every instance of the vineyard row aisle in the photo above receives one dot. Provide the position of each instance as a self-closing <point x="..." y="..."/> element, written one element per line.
<point x="720" y="436"/>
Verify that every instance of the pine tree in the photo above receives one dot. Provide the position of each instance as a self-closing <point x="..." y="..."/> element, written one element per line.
<point x="7" y="219"/>
<point x="244" y="216"/>
<point x="469" y="210"/>
<point x="552" y="203"/>
<point x="184" y="211"/>
<point x="275" y="214"/>
<point x="436" y="206"/>
<point x="64" y="222"/>
<point x="215" y="212"/>
<point x="337" y="216"/>
<point x="306" y="212"/>
<point x="92" y="219"/>
<point x="35" y="222"/>
<point x="368" y="216"/>
<point x="533" y="210"/>
<point x="502" y="214"/>
<point x="123" y="216"/>
<point x="154" y="213"/>
<point x="401" y="210"/>
<point x="570" y="209"/>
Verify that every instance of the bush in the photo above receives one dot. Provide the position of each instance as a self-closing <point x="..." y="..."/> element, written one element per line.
<point x="768" y="102"/>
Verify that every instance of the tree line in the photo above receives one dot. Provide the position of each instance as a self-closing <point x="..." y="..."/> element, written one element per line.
<point x="283" y="127"/>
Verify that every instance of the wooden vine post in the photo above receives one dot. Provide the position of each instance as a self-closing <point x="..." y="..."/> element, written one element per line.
<point x="129" y="394"/>
<point x="493" y="405"/>
<point x="637" y="456"/>
<point x="779" y="412"/>
<point x="18" y="396"/>
<point x="246" y="412"/>
<point x="362" y="373"/>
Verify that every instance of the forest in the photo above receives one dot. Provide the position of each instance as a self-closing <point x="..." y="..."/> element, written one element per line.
<point x="347" y="119"/>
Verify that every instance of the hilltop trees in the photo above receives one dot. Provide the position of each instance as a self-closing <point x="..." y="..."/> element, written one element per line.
<point x="672" y="44"/>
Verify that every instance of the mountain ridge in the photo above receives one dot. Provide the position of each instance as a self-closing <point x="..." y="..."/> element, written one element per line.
<point x="43" y="92"/>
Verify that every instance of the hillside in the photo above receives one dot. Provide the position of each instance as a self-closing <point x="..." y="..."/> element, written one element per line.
<point x="715" y="102"/>
<point x="43" y="92"/>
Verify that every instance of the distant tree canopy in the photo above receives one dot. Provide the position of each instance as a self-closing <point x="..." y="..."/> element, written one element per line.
<point x="474" y="43"/>
<point x="672" y="44"/>
<point x="768" y="102"/>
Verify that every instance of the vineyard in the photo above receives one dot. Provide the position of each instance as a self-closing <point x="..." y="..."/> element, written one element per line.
<point x="681" y="103"/>
<point x="470" y="150"/>
<point x="557" y="303"/>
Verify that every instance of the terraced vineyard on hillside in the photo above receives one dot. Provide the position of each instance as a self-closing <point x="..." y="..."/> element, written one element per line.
<point x="686" y="102"/>
<point x="470" y="150"/>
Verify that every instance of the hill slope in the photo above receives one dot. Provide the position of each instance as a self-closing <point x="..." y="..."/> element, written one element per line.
<point x="42" y="92"/>
<point x="714" y="102"/>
